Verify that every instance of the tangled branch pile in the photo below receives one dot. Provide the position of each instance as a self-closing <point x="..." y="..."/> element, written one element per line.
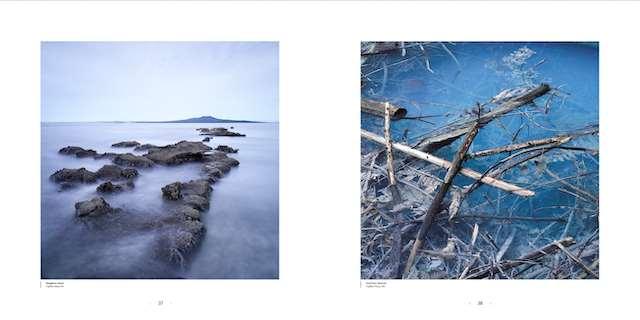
<point x="432" y="209"/>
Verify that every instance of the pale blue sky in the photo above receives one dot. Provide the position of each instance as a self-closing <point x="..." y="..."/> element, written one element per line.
<point x="154" y="81"/>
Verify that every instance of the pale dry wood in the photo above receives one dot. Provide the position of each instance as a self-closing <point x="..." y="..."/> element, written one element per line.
<point x="446" y="164"/>
<point x="378" y="108"/>
<point x="474" y="234"/>
<point x="387" y="143"/>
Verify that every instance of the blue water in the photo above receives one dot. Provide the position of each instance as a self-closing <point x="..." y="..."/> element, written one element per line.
<point x="242" y="223"/>
<point x="445" y="83"/>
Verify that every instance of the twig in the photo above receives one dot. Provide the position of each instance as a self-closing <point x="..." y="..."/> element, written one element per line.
<point x="527" y="258"/>
<point x="495" y="217"/>
<point x="576" y="260"/>
<point x="512" y="147"/>
<point x="466" y="269"/>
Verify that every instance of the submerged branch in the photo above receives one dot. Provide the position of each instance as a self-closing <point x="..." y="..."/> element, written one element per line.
<point x="446" y="164"/>
<point x="436" y="204"/>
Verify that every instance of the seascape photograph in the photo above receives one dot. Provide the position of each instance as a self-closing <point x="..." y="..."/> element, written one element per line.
<point x="159" y="160"/>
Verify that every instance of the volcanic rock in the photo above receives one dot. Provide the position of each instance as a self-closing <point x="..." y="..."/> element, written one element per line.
<point x="183" y="151"/>
<point x="218" y="132"/>
<point x="226" y="149"/>
<point x="126" y="144"/>
<point x="74" y="175"/>
<point x="78" y="152"/>
<point x="131" y="160"/>
<point x="94" y="207"/>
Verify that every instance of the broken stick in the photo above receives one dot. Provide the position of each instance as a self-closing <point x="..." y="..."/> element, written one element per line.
<point x="396" y="250"/>
<point x="378" y="109"/>
<point x="446" y="165"/>
<point x="450" y="133"/>
<point x="527" y="258"/>
<point x="387" y="143"/>
<point x="436" y="204"/>
<point x="513" y="147"/>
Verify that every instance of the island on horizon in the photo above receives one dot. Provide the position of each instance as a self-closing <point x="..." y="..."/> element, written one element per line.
<point x="203" y="119"/>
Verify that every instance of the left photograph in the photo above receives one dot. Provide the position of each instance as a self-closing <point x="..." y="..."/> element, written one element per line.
<point x="159" y="160"/>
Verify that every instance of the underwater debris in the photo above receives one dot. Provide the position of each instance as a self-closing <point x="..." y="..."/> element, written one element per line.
<point x="524" y="205"/>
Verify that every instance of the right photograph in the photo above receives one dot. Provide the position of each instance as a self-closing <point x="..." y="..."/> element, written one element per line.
<point x="479" y="160"/>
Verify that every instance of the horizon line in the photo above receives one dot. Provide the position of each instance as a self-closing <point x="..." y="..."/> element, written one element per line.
<point x="148" y="121"/>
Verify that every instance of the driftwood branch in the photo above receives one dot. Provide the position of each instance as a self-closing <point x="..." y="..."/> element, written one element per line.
<point x="378" y="108"/>
<point x="518" y="146"/>
<point x="446" y="164"/>
<point x="387" y="144"/>
<point x="436" y="204"/>
<point x="527" y="258"/>
<point x="396" y="250"/>
<point x="556" y="141"/>
<point x="450" y="133"/>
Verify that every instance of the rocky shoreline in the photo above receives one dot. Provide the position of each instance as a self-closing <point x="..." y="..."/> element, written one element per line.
<point x="181" y="227"/>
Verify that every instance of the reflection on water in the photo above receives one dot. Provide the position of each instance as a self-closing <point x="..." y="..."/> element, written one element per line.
<point x="242" y="223"/>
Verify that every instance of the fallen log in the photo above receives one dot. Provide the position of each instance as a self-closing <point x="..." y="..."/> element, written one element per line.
<point x="378" y="109"/>
<point x="446" y="165"/>
<point x="527" y="258"/>
<point x="450" y="133"/>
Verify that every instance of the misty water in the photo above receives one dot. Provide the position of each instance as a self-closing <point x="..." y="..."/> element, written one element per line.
<point x="242" y="223"/>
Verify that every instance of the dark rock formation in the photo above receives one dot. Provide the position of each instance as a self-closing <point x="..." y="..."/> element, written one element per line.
<point x="218" y="132"/>
<point x="69" y="178"/>
<point x="131" y="160"/>
<point x="226" y="149"/>
<point x="217" y="164"/>
<point x="197" y="202"/>
<point x="184" y="240"/>
<point x="207" y="139"/>
<point x="74" y="175"/>
<point x="78" y="152"/>
<point x="180" y="227"/>
<point x="198" y="187"/>
<point x="172" y="191"/>
<point x="108" y="155"/>
<point x="110" y="187"/>
<point x="178" y="190"/>
<point x="183" y="151"/>
<point x="85" y="153"/>
<point x="113" y="172"/>
<point x="126" y="144"/>
<point x="145" y="147"/>
<point x="92" y="208"/>
<point x="188" y="212"/>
